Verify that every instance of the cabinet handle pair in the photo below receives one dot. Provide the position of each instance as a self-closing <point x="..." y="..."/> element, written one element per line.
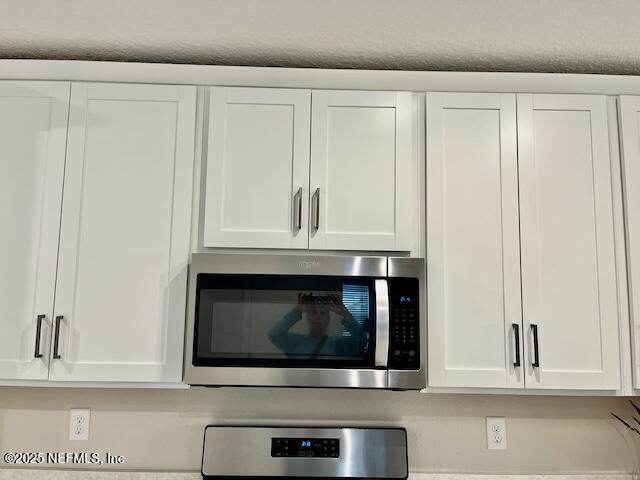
<point x="56" y="339"/>
<point x="297" y="209"/>
<point x="536" y="353"/>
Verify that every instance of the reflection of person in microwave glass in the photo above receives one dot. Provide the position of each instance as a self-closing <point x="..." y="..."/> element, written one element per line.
<point x="317" y="343"/>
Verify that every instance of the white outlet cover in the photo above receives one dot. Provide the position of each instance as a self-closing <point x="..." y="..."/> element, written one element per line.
<point x="496" y="433"/>
<point x="79" y="421"/>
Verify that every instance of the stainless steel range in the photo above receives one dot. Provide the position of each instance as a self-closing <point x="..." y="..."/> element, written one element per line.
<point x="300" y="452"/>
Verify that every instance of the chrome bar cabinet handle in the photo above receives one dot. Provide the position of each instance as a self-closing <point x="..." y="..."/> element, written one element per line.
<point x="297" y="210"/>
<point x="315" y="204"/>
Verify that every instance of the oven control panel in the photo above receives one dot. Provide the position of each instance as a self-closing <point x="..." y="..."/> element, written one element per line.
<point x="404" y="324"/>
<point x="305" y="447"/>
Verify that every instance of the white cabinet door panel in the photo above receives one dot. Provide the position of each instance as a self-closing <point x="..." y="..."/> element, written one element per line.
<point x="33" y="131"/>
<point x="630" y="136"/>
<point x="567" y="240"/>
<point x="361" y="171"/>
<point x="473" y="262"/>
<point x="124" y="242"/>
<point x="257" y="168"/>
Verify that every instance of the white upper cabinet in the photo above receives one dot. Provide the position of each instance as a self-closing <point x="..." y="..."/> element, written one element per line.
<point x="630" y="136"/>
<point x="336" y="176"/>
<point x="521" y="263"/>
<point x="33" y="127"/>
<point x="257" y="180"/>
<point x="362" y="191"/>
<point x="473" y="260"/>
<point x="569" y="288"/>
<point x="124" y="240"/>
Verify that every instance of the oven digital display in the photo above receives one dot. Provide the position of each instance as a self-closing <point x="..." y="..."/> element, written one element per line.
<point x="305" y="447"/>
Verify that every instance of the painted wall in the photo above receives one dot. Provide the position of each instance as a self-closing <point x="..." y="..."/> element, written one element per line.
<point x="446" y="432"/>
<point x="514" y="35"/>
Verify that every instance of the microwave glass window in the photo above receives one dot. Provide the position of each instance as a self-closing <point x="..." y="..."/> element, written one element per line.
<point x="275" y="320"/>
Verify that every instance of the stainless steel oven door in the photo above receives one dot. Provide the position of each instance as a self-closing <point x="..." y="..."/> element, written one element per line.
<point x="368" y="369"/>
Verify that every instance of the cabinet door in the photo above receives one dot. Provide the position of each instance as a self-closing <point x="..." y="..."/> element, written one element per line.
<point x="33" y="131"/>
<point x="630" y="136"/>
<point x="257" y="168"/>
<point x="473" y="261"/>
<point x="124" y="240"/>
<point x="569" y="289"/>
<point x="362" y="181"/>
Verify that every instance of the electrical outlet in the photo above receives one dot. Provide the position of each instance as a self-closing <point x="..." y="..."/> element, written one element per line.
<point x="496" y="433"/>
<point x="79" y="420"/>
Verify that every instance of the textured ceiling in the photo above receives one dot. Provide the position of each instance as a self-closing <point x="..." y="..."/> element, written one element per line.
<point x="591" y="36"/>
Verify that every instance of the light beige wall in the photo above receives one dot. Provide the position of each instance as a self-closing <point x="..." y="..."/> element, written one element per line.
<point x="162" y="430"/>
<point x="590" y="36"/>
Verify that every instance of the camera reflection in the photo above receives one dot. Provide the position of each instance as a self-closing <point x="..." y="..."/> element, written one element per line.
<point x="317" y="342"/>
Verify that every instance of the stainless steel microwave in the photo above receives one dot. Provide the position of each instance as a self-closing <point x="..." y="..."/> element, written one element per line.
<point x="306" y="321"/>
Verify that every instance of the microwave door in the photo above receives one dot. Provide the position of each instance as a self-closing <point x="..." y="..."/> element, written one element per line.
<point x="288" y="330"/>
<point x="382" y="323"/>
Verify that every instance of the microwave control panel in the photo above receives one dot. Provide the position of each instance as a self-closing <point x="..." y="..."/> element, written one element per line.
<point x="305" y="447"/>
<point x="404" y="324"/>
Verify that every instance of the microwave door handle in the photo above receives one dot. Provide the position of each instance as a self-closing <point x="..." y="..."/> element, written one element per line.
<point x="382" y="323"/>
